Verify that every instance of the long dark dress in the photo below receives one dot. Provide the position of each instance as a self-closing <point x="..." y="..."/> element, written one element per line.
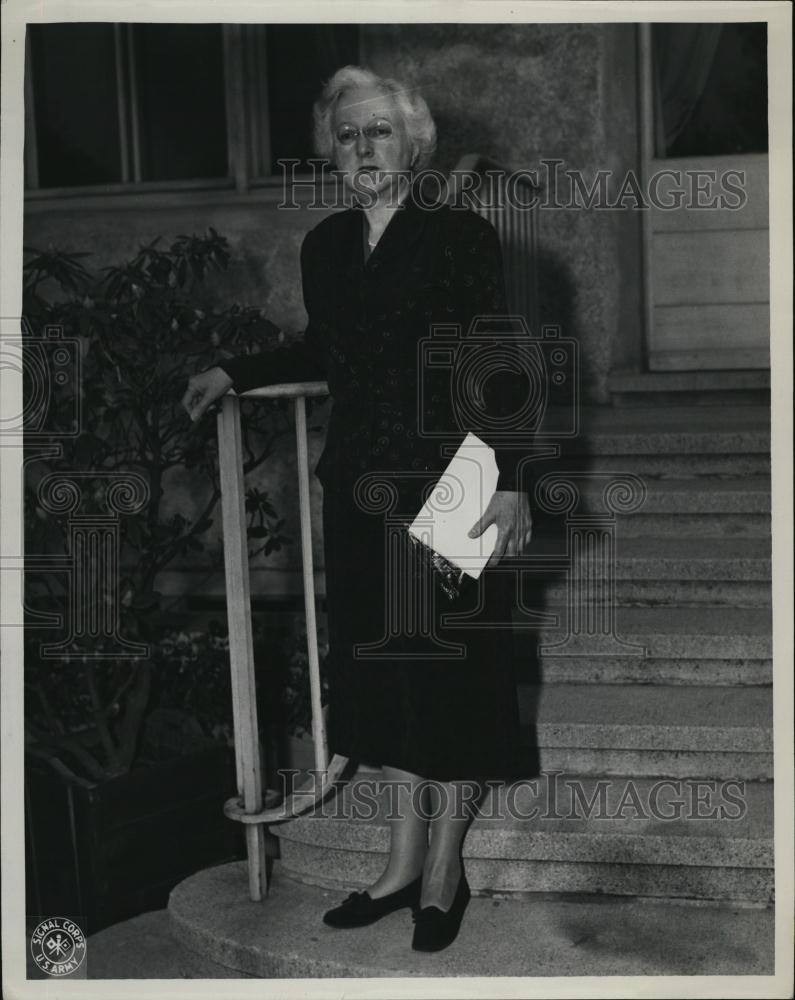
<point x="408" y="687"/>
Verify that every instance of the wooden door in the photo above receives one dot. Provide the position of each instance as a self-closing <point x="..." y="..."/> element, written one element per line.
<point x="709" y="272"/>
<point x="707" y="260"/>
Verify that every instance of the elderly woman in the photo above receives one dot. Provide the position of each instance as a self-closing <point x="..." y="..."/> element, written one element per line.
<point x="433" y="703"/>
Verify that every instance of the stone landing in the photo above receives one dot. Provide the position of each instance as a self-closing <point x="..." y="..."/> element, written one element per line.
<point x="284" y="937"/>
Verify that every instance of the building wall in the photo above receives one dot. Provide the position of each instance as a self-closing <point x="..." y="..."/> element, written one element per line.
<point x="521" y="94"/>
<point x="264" y="242"/>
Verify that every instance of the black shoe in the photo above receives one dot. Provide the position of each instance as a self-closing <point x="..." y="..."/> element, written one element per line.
<point x="360" y="909"/>
<point x="435" y="929"/>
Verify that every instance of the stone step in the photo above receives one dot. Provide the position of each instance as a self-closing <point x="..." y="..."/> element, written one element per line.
<point x="750" y="495"/>
<point x="662" y="465"/>
<point x="145" y="947"/>
<point x="702" y="388"/>
<point x="643" y="525"/>
<point x="651" y="730"/>
<point x="674" y="429"/>
<point x="661" y="441"/>
<point x="642" y="593"/>
<point x="562" y="833"/>
<point x="705" y="633"/>
<point x="673" y="558"/>
<point x="670" y="570"/>
<point x="283" y="937"/>
<point x="683" y="645"/>
<point x="693" y="508"/>
<point x="648" y="634"/>
<point x="713" y="671"/>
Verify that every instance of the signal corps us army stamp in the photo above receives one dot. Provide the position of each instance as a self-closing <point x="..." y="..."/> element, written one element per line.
<point x="58" y="946"/>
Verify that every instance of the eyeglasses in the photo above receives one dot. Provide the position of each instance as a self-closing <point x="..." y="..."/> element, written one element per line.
<point x="377" y="131"/>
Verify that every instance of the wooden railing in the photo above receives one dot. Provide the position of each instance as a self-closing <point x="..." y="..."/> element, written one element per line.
<point x="253" y="806"/>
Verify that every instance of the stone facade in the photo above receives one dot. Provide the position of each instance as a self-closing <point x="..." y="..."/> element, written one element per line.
<point x="524" y="93"/>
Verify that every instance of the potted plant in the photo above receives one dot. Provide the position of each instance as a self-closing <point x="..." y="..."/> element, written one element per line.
<point x="116" y="718"/>
<point x="124" y="797"/>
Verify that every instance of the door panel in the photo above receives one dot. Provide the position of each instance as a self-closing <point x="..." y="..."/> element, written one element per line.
<point x="704" y="142"/>
<point x="729" y="336"/>
<point x="711" y="268"/>
<point x="710" y="274"/>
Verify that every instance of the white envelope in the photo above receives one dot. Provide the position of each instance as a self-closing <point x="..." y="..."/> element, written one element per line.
<point x="456" y="503"/>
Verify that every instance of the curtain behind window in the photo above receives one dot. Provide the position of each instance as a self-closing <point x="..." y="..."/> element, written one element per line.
<point x="683" y="58"/>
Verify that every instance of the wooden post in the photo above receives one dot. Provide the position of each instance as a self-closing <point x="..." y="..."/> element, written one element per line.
<point x="248" y="808"/>
<point x="241" y="649"/>
<point x="318" y="728"/>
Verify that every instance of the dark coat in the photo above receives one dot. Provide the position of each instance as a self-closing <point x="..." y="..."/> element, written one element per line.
<point x="422" y="694"/>
<point x="367" y="324"/>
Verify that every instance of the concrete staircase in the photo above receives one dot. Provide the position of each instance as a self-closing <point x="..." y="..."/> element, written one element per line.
<point x="693" y="588"/>
<point x="656" y="769"/>
<point x="559" y="848"/>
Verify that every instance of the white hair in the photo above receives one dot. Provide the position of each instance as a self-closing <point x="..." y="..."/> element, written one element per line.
<point x="420" y="126"/>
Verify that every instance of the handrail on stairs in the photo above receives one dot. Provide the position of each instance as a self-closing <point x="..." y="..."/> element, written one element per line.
<point x="249" y="807"/>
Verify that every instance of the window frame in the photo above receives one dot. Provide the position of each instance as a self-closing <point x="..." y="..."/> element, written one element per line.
<point x="247" y="132"/>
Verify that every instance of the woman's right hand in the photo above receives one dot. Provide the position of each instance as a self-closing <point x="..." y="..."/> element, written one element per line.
<point x="203" y="390"/>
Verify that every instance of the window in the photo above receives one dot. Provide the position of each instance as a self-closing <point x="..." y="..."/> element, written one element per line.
<point x="114" y="107"/>
<point x="290" y="49"/>
<point x="711" y="88"/>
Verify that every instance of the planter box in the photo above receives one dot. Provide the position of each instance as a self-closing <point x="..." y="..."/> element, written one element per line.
<point x="101" y="852"/>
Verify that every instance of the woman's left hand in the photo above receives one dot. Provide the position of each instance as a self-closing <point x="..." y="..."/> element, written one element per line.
<point x="510" y="511"/>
